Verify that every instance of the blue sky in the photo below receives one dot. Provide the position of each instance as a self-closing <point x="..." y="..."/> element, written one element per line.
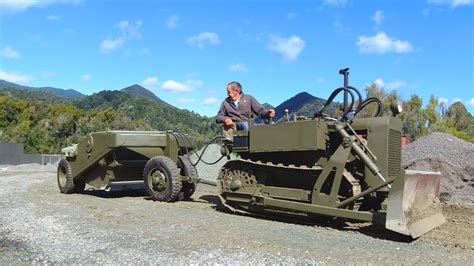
<point x="187" y="51"/>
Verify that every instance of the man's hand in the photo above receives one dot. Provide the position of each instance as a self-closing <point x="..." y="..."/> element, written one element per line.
<point x="271" y="113"/>
<point x="228" y="122"/>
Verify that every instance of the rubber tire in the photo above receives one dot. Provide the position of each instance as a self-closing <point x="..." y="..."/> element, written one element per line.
<point x="168" y="167"/>
<point x="70" y="185"/>
<point x="187" y="169"/>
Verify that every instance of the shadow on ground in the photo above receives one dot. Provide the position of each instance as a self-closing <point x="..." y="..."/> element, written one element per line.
<point x="116" y="194"/>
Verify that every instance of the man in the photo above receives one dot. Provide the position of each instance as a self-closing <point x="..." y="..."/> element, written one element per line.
<point x="237" y="109"/>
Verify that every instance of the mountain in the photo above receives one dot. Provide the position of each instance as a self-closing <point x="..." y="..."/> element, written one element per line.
<point x="70" y="93"/>
<point x="294" y="104"/>
<point x="315" y="105"/>
<point x="141" y="91"/>
<point x="304" y="104"/>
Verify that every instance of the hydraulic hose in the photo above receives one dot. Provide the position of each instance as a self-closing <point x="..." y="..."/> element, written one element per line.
<point x="368" y="101"/>
<point x="331" y="98"/>
<point x="195" y="149"/>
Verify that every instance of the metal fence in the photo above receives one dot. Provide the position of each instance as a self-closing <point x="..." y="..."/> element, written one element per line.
<point x="13" y="153"/>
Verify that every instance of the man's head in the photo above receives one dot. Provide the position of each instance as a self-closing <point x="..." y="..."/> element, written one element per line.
<point x="234" y="89"/>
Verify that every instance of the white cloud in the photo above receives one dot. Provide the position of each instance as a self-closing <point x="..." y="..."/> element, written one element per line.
<point x="15" y="77"/>
<point x="443" y="100"/>
<point x="397" y="84"/>
<point x="471" y="102"/>
<point x="381" y="44"/>
<point x="9" y="52"/>
<point x="381" y="84"/>
<point x="150" y="82"/>
<point x="378" y="17"/>
<point x="86" y="77"/>
<point x="338" y="3"/>
<point x="289" y="48"/>
<point x="238" y="68"/>
<point x="455" y="100"/>
<point x="452" y="3"/>
<point x="20" y="5"/>
<point x="211" y="101"/>
<point x="204" y="38"/>
<point x="127" y="32"/>
<point x="130" y="31"/>
<point x="109" y="45"/>
<point x="172" y="22"/>
<point x="456" y="3"/>
<point x="174" y="86"/>
<point x="186" y="86"/>
<point x="51" y="17"/>
<point x="185" y="100"/>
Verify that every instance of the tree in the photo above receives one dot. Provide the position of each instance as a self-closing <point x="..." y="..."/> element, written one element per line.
<point x="461" y="118"/>
<point x="414" y="122"/>
<point x="386" y="98"/>
<point x="430" y="113"/>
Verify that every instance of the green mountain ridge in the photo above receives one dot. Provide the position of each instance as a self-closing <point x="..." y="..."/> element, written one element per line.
<point x="141" y="91"/>
<point x="65" y="93"/>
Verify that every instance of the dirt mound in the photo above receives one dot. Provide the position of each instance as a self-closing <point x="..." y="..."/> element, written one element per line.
<point x="457" y="232"/>
<point x="451" y="156"/>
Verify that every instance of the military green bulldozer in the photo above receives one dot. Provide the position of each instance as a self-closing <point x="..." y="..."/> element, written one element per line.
<point x="121" y="158"/>
<point x="326" y="165"/>
<point x="337" y="166"/>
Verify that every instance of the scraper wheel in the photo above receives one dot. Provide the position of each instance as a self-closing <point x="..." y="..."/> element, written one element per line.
<point x="187" y="169"/>
<point x="66" y="183"/>
<point x="162" y="179"/>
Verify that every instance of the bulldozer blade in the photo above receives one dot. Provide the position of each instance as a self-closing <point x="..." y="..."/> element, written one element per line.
<point x="413" y="203"/>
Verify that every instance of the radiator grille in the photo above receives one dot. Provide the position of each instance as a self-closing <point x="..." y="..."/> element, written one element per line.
<point x="394" y="152"/>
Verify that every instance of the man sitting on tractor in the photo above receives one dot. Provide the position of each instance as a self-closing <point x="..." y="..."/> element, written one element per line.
<point x="237" y="110"/>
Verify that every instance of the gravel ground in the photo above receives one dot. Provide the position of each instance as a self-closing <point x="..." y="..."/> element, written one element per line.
<point x="40" y="225"/>
<point x="452" y="156"/>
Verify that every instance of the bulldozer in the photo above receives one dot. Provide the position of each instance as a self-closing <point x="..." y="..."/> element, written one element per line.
<point x="335" y="166"/>
<point x="327" y="165"/>
<point x="127" y="159"/>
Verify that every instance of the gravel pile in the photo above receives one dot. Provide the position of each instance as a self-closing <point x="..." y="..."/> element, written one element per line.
<point x="452" y="156"/>
<point x="212" y="153"/>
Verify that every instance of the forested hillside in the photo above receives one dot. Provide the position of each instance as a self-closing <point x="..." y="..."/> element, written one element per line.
<point x="45" y="123"/>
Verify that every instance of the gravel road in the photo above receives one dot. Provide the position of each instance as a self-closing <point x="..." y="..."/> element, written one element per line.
<point x="40" y="225"/>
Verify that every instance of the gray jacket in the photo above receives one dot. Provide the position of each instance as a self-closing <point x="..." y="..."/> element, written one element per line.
<point x="248" y="106"/>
